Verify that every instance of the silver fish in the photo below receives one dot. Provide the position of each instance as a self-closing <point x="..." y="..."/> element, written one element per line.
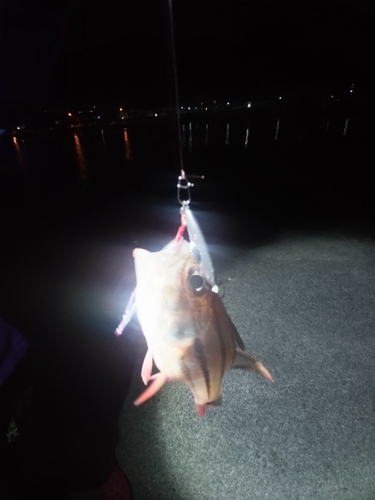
<point x="190" y="336"/>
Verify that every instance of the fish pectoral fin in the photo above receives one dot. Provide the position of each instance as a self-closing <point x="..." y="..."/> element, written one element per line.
<point x="147" y="367"/>
<point x="245" y="361"/>
<point x="157" y="383"/>
<point x="129" y="311"/>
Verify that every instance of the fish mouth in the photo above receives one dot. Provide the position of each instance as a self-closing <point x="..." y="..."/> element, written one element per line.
<point x="138" y="252"/>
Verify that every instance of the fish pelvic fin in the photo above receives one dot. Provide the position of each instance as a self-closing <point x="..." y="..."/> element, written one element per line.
<point x="158" y="381"/>
<point x="147" y="367"/>
<point x="245" y="361"/>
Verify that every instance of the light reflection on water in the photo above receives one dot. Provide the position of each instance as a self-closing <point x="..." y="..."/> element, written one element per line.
<point x="346" y="127"/>
<point x="227" y="134"/>
<point x="183" y="136"/>
<point x="277" y="129"/>
<point x="94" y="149"/>
<point x="241" y="133"/>
<point x="103" y="138"/>
<point x="128" y="150"/>
<point x="83" y="171"/>
<point x="20" y="156"/>
<point x="247" y="136"/>
<point x="101" y="164"/>
<point x="88" y="149"/>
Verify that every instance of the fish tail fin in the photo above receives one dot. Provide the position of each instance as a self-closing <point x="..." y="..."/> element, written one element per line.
<point x="245" y="361"/>
<point x="158" y="381"/>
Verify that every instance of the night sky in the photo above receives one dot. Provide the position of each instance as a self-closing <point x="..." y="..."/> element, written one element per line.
<point x="121" y="50"/>
<point x="83" y="52"/>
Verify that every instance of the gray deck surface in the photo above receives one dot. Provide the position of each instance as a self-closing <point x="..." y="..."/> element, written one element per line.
<point x="304" y="303"/>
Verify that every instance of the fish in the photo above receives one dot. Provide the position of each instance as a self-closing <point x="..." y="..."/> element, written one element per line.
<point x="190" y="337"/>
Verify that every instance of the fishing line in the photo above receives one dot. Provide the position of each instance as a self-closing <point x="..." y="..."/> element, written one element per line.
<point x="187" y="218"/>
<point x="175" y="87"/>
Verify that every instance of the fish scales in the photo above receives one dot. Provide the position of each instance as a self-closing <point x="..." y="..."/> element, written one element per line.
<point x="208" y="354"/>
<point x="189" y="334"/>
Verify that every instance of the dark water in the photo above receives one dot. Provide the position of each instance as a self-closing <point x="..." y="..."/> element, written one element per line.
<point x="268" y="165"/>
<point x="120" y="182"/>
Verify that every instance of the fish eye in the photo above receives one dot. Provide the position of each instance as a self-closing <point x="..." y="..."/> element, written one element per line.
<point x="196" y="282"/>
